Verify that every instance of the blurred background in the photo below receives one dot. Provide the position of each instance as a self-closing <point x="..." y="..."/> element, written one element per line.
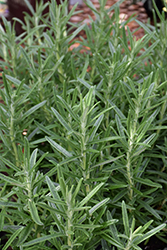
<point x="141" y="9"/>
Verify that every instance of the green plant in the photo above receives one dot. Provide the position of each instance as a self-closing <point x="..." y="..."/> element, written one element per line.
<point x="83" y="135"/>
<point x="132" y="236"/>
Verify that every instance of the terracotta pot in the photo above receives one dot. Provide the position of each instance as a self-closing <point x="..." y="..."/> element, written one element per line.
<point x="17" y="9"/>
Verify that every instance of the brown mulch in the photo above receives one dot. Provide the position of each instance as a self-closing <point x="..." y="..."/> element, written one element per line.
<point x="126" y="10"/>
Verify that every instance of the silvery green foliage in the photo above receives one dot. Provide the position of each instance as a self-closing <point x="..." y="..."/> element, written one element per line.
<point x="83" y="135"/>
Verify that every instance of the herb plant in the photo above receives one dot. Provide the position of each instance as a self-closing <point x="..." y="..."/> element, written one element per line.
<point x="83" y="134"/>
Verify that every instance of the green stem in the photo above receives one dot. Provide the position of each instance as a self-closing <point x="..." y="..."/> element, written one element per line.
<point x="69" y="241"/>
<point x="58" y="53"/>
<point x="37" y="32"/>
<point x="131" y="143"/>
<point x="41" y="97"/>
<point x="12" y="137"/>
<point x="69" y="225"/>
<point x="93" y="71"/>
<point x="13" y="57"/>
<point x="130" y="177"/>
<point x="162" y="112"/>
<point x="60" y="68"/>
<point x="83" y="147"/>
<point x="83" y="153"/>
<point x="108" y="93"/>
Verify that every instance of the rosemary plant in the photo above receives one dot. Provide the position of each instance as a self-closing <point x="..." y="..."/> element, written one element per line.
<point x="83" y="134"/>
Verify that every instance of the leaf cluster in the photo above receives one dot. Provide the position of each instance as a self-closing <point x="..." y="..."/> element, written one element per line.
<point x="82" y="134"/>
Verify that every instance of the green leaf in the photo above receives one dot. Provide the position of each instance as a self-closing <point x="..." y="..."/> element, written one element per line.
<point x="26" y="154"/>
<point x="77" y="189"/>
<point x="94" y="208"/>
<point x="25" y="97"/>
<point x="89" y="97"/>
<point x="121" y="130"/>
<point x="148" y="182"/>
<point x="30" y="7"/>
<point x="11" y="204"/>
<point x="2" y="217"/>
<point x="38" y="162"/>
<point x="88" y="226"/>
<point x="150" y="209"/>
<point x="148" y="51"/>
<point x="54" y="192"/>
<point x="52" y="208"/>
<point x="143" y="228"/>
<point x="87" y="85"/>
<point x="27" y="59"/>
<point x="25" y="233"/>
<point x="108" y="161"/>
<point x="101" y="113"/>
<point x="52" y="71"/>
<point x="90" y="195"/>
<point x="34" y="213"/>
<point x="143" y="129"/>
<point x="33" y="109"/>
<point x="145" y="27"/>
<point x="63" y="187"/>
<point x="67" y="106"/>
<point x="58" y="147"/>
<point x="113" y="228"/>
<point x="116" y="186"/>
<point x="11" y="181"/>
<point x="149" y="234"/>
<point x="118" y="111"/>
<point x="105" y="139"/>
<point x="5" y="141"/>
<point x="19" y="89"/>
<point x="55" y="201"/>
<point x="102" y="72"/>
<point x="61" y="120"/>
<point x="12" y="238"/>
<point x="144" y="145"/>
<point x="125" y="219"/>
<point x="71" y="12"/>
<point x="42" y="239"/>
<point x="14" y="80"/>
<point x="95" y="128"/>
<point x="6" y="86"/>
<point x="84" y="70"/>
<point x="112" y="241"/>
<point x="9" y="164"/>
<point x="44" y="129"/>
<point x="74" y="34"/>
<point x="33" y="158"/>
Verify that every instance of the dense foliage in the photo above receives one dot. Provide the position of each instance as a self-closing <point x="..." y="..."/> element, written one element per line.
<point x="83" y="132"/>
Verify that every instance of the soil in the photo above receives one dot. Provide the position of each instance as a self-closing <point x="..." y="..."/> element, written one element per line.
<point x="154" y="244"/>
<point x="126" y="10"/>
